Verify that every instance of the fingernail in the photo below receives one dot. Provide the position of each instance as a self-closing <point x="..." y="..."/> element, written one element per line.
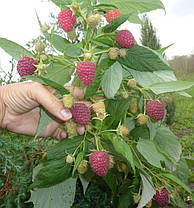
<point x="63" y="134"/>
<point x="66" y="114"/>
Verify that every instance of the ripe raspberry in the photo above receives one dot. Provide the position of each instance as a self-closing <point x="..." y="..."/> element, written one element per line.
<point x="113" y="53"/>
<point x="112" y="14"/>
<point x="26" y="66"/>
<point x="99" y="161"/>
<point x="80" y="113"/>
<point x="125" y="39"/>
<point x="161" y="197"/>
<point x="155" y="109"/>
<point x="66" y="20"/>
<point x="86" y="72"/>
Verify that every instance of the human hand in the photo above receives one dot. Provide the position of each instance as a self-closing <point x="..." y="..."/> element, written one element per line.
<point x="20" y="109"/>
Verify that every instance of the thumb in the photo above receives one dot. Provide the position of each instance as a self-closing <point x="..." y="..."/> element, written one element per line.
<point x="41" y="95"/>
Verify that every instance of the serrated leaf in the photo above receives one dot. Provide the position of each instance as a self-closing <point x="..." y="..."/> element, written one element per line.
<point x="123" y="149"/>
<point x="13" y="49"/>
<point x="168" y="143"/>
<point x="173" y="86"/>
<point x="111" y="181"/>
<point x="79" y="158"/>
<point x="111" y="27"/>
<point x="117" y="110"/>
<point x="162" y="50"/>
<point x="177" y="181"/>
<point x="148" y="190"/>
<point x="111" y="80"/>
<point x="59" y="72"/>
<point x="142" y="58"/>
<point x="73" y="50"/>
<point x="146" y="79"/>
<point x="58" y="196"/>
<point x="57" y="41"/>
<point x="45" y="119"/>
<point x="149" y="151"/>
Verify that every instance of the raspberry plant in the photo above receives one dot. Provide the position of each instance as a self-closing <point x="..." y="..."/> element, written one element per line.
<point x="140" y="154"/>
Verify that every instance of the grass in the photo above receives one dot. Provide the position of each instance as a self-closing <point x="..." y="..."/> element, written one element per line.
<point x="183" y="124"/>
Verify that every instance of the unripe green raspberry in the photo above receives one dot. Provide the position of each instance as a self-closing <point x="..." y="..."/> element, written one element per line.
<point x="113" y="53"/>
<point x="44" y="28"/>
<point x="83" y="167"/>
<point x="125" y="94"/>
<point x="121" y="167"/>
<point x="136" y="198"/>
<point x="123" y="52"/>
<point x="72" y="34"/>
<point x="41" y="67"/>
<point x="133" y="107"/>
<point x="44" y="58"/>
<point x="142" y="119"/>
<point x="39" y="47"/>
<point x="69" y="159"/>
<point x="87" y="56"/>
<point x="111" y="162"/>
<point x="75" y="7"/>
<point x="68" y="101"/>
<point x="123" y="130"/>
<point x="132" y="83"/>
<point x="94" y="20"/>
<point x="149" y="204"/>
<point x="71" y="128"/>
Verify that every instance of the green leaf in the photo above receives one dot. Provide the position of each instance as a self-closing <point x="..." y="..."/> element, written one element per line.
<point x="52" y="173"/>
<point x="58" y="196"/>
<point x="111" y="80"/>
<point x="57" y="41"/>
<point x="182" y="171"/>
<point x="117" y="110"/>
<point x="142" y="58"/>
<point x="152" y="128"/>
<point x="149" y="151"/>
<point x="162" y="50"/>
<point x="146" y="79"/>
<point x="123" y="149"/>
<point x="84" y="183"/>
<point x="45" y="119"/>
<point x="55" y="85"/>
<point x="168" y="143"/>
<point x="173" y="86"/>
<point x="13" y="49"/>
<point x="148" y="190"/>
<point x="111" y="181"/>
<point x="73" y="50"/>
<point x="79" y="158"/>
<point x="177" y="181"/>
<point x="61" y="149"/>
<point x="130" y="123"/>
<point x="125" y="200"/>
<point x="135" y="7"/>
<point x="111" y="27"/>
<point x="59" y="72"/>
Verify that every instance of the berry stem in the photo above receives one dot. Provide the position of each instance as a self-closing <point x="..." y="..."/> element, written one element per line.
<point x="101" y="52"/>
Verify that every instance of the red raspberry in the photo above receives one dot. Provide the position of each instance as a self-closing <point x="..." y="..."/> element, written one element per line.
<point x="155" y="109"/>
<point x="80" y="113"/>
<point x="112" y="14"/>
<point x="26" y="66"/>
<point x="86" y="72"/>
<point x="161" y="197"/>
<point x="66" y="20"/>
<point x="125" y="39"/>
<point x="99" y="161"/>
